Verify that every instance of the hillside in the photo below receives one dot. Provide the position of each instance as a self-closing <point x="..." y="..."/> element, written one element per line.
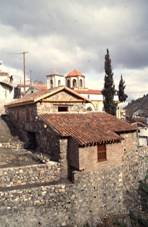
<point x="138" y="106"/>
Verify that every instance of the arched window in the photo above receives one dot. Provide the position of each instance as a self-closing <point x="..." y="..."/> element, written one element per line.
<point x="59" y="83"/>
<point x="51" y="83"/>
<point x="81" y="83"/>
<point x="68" y="83"/>
<point x="74" y="83"/>
<point x="89" y="108"/>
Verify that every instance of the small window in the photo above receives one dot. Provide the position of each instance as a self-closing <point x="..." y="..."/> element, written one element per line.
<point x="89" y="109"/>
<point x="62" y="108"/>
<point x="74" y="83"/>
<point x="101" y="152"/>
<point x="81" y="83"/>
<point x="51" y="83"/>
<point x="68" y="83"/>
<point x="59" y="83"/>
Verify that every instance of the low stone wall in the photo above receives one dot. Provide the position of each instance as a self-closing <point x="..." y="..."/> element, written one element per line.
<point x="135" y="167"/>
<point x="33" y="174"/>
<point x="12" y="145"/>
<point x="93" y="196"/>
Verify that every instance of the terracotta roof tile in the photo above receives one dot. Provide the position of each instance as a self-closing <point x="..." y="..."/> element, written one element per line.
<point x="87" y="128"/>
<point x="88" y="91"/>
<point x="37" y="96"/>
<point x="39" y="87"/>
<point x="2" y="73"/>
<point x="74" y="73"/>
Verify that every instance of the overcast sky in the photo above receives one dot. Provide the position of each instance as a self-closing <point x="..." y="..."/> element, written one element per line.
<point x="61" y="35"/>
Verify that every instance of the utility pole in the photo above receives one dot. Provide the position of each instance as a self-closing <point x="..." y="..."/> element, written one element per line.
<point x="24" y="67"/>
<point x="30" y="77"/>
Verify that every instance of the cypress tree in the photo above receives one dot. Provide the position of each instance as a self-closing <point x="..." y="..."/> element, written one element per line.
<point x="121" y="94"/>
<point x="109" y="87"/>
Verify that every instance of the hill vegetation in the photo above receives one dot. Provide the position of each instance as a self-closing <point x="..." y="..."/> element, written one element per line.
<point x="139" y="105"/>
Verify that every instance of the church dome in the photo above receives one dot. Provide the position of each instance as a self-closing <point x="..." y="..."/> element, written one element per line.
<point x="74" y="73"/>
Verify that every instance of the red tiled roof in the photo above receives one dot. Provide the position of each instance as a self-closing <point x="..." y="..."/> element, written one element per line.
<point x="89" y="91"/>
<point x="2" y="73"/>
<point x="22" y="85"/>
<point x="37" y="96"/>
<point x="74" y="73"/>
<point x="39" y="87"/>
<point x="87" y="128"/>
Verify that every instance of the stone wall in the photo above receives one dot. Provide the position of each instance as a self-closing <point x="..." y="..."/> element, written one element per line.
<point x="135" y="167"/>
<point x="23" y="119"/>
<point x="94" y="195"/>
<point x="63" y="158"/>
<point x="130" y="141"/>
<point x="73" y="153"/>
<point x="22" y="114"/>
<point x="27" y="113"/>
<point x="33" y="174"/>
<point x="88" y="200"/>
<point x="47" y="141"/>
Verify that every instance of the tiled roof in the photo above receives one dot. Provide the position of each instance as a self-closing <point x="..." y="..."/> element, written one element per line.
<point x="87" y="128"/>
<point x="54" y="74"/>
<point x="37" y="96"/>
<point x="2" y="73"/>
<point x="22" y="85"/>
<point x="74" y="73"/>
<point x="39" y="87"/>
<point x="89" y="91"/>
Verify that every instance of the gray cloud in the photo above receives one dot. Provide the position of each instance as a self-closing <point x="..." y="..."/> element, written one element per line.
<point x="61" y="35"/>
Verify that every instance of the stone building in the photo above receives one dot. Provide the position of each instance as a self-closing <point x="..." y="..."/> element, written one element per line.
<point x="24" y="111"/>
<point x="6" y="89"/>
<point x="142" y="133"/>
<point x="77" y="81"/>
<point x="96" y="151"/>
<point x="56" y="123"/>
<point x="85" y="141"/>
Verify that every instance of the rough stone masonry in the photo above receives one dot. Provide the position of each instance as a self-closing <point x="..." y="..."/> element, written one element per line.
<point x="94" y="195"/>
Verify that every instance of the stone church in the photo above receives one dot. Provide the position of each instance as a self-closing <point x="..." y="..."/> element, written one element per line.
<point x="76" y="80"/>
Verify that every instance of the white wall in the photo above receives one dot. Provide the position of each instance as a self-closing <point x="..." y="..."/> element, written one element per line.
<point x="55" y="79"/>
<point x="6" y="96"/>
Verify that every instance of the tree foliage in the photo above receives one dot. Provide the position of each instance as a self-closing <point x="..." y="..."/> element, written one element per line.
<point x="109" y="87"/>
<point x="121" y="94"/>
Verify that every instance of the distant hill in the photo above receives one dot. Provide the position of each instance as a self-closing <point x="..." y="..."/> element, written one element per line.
<point x="138" y="107"/>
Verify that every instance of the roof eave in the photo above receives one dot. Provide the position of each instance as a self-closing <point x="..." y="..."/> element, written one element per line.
<point x="19" y="104"/>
